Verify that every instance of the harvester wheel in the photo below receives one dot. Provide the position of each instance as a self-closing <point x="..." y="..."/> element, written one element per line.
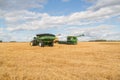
<point x="41" y="44"/>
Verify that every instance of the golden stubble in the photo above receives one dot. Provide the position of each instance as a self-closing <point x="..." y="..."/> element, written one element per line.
<point x="85" y="61"/>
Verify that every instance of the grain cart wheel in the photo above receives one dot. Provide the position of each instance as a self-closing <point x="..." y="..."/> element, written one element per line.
<point x="41" y="44"/>
<point x="51" y="44"/>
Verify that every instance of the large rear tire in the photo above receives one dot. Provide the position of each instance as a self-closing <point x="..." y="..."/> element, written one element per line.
<point x="33" y="43"/>
<point x="51" y="44"/>
<point x="41" y="44"/>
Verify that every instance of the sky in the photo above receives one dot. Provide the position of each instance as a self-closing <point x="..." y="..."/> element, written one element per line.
<point x="21" y="20"/>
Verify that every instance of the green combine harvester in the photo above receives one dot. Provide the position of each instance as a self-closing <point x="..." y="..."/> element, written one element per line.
<point x="71" y="40"/>
<point x="43" y="40"/>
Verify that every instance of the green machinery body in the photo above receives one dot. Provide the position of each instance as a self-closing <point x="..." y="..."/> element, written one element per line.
<point x="70" y="40"/>
<point x="43" y="40"/>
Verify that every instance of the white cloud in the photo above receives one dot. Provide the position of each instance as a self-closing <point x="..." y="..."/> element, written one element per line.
<point x="97" y="32"/>
<point x="2" y="13"/>
<point x="20" y="4"/>
<point x="22" y="19"/>
<point x="22" y="15"/>
<point x="4" y="36"/>
<point x="90" y="0"/>
<point x="91" y="33"/>
<point x="26" y="20"/>
<point x="7" y="36"/>
<point x="105" y="3"/>
<point x="65" y="0"/>
<point x="1" y="30"/>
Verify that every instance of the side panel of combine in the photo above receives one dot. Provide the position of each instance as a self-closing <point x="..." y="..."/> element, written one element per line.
<point x="72" y="40"/>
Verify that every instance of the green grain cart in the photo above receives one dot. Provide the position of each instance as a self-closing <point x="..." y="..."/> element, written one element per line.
<point x="43" y="40"/>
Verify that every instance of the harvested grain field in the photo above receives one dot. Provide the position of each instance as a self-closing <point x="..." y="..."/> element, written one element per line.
<point x="85" y="61"/>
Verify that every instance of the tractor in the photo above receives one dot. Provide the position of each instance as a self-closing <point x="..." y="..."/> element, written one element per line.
<point x="43" y="40"/>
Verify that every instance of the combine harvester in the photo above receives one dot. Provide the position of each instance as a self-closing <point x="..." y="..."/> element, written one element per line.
<point x="71" y="40"/>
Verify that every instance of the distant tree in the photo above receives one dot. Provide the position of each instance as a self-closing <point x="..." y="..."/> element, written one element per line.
<point x="12" y="41"/>
<point x="100" y="40"/>
<point x="0" y="40"/>
<point x="80" y="35"/>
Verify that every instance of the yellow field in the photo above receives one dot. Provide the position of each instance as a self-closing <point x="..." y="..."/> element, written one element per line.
<point x="85" y="61"/>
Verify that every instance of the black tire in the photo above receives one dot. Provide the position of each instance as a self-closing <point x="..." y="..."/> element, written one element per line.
<point x="33" y="43"/>
<point x="51" y="44"/>
<point x="41" y="44"/>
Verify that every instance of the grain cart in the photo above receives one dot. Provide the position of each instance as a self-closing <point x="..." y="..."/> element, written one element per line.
<point x="43" y="40"/>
